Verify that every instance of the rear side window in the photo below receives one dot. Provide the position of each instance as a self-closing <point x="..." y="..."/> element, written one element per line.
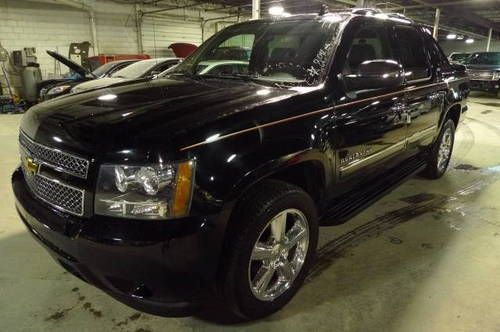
<point x="413" y="53"/>
<point x="437" y="54"/>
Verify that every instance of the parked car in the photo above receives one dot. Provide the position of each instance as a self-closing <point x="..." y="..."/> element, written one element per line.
<point x="139" y="70"/>
<point x="222" y="67"/>
<point x="57" y="87"/>
<point x="170" y="192"/>
<point x="484" y="71"/>
<point x="458" y="57"/>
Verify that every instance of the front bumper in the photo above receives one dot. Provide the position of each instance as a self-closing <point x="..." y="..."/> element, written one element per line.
<point x="162" y="267"/>
<point x="488" y="86"/>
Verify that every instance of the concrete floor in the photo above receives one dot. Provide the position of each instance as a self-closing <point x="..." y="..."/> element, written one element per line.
<point x="424" y="258"/>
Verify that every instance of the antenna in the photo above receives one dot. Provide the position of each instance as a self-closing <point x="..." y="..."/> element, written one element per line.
<point x="323" y="9"/>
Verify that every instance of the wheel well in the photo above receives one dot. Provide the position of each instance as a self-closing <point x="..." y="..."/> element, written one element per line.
<point x="308" y="175"/>
<point x="454" y="114"/>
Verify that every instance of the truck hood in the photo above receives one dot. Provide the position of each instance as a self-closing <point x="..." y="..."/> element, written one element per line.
<point x="70" y="64"/>
<point x="155" y="111"/>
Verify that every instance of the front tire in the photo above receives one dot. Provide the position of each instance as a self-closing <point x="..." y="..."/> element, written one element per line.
<point x="270" y="248"/>
<point x="440" y="153"/>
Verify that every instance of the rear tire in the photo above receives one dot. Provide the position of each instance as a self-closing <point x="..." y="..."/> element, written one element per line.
<point x="440" y="154"/>
<point x="269" y="248"/>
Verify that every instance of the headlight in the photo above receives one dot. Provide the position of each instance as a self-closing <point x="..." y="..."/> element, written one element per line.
<point x="160" y="191"/>
<point x="58" y="89"/>
<point x="496" y="75"/>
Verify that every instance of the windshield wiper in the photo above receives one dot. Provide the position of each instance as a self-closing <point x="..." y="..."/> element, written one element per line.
<point x="242" y="77"/>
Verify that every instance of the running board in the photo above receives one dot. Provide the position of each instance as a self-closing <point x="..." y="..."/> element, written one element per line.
<point x="353" y="202"/>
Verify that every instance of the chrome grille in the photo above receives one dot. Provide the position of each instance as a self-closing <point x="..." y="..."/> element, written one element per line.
<point x="60" y="195"/>
<point x="54" y="158"/>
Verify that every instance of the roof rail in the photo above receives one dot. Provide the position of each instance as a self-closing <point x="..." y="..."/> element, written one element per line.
<point x="364" y="11"/>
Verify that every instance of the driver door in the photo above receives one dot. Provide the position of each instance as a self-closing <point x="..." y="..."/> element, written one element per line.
<point x="370" y="123"/>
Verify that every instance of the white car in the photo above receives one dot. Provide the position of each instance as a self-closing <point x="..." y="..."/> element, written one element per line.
<point x="222" y="67"/>
<point x="140" y="69"/>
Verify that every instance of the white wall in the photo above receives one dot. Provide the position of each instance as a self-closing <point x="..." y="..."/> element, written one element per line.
<point x="461" y="46"/>
<point x="46" y="26"/>
<point x="25" y="24"/>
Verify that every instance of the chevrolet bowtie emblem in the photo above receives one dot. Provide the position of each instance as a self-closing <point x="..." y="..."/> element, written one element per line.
<point x="31" y="165"/>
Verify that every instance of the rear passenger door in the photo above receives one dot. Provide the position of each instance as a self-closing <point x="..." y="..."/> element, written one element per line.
<point x="424" y="97"/>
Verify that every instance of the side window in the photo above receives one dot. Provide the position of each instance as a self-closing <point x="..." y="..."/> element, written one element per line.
<point x="223" y="70"/>
<point x="117" y="68"/>
<point x="238" y="47"/>
<point x="164" y="66"/>
<point x="413" y="53"/>
<point x="369" y="43"/>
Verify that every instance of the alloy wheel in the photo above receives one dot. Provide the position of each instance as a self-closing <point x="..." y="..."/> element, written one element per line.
<point x="278" y="254"/>
<point x="444" y="151"/>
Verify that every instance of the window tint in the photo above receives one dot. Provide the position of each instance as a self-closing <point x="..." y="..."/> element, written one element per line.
<point x="369" y="43"/>
<point x="491" y="58"/>
<point x="413" y="53"/>
<point x="437" y="53"/>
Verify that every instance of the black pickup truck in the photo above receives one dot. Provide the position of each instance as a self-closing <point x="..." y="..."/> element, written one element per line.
<point x="175" y="191"/>
<point x="484" y="71"/>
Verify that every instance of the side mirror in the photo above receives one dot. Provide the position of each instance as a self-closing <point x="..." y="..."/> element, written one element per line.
<point x="375" y="74"/>
<point x="154" y="73"/>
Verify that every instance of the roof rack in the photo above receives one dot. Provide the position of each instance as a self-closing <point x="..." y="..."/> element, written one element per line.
<point x="373" y="11"/>
<point x="364" y="11"/>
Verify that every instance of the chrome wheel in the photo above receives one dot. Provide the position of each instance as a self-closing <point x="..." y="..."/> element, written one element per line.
<point x="444" y="151"/>
<point x="278" y="254"/>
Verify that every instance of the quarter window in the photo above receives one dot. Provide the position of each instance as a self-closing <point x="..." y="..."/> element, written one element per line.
<point x="413" y="53"/>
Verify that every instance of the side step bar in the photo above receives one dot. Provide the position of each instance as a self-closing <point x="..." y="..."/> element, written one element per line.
<point x="353" y="202"/>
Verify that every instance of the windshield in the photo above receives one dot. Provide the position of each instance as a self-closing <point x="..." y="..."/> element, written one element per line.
<point x="136" y="69"/>
<point x="491" y="58"/>
<point x="290" y="51"/>
<point x="459" y="56"/>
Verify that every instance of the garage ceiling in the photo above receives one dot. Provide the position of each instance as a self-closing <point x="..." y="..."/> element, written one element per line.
<point x="471" y="18"/>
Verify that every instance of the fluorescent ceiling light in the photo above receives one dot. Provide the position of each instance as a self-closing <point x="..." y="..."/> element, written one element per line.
<point x="276" y="10"/>
<point x="451" y="36"/>
<point x="469" y="40"/>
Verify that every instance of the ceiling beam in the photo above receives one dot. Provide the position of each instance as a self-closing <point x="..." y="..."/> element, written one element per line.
<point x="473" y="18"/>
<point x="465" y="15"/>
<point x="449" y="28"/>
<point x="465" y="3"/>
<point x="430" y="23"/>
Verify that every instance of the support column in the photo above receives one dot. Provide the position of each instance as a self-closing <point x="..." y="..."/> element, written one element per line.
<point x="255" y="9"/>
<point x="436" y="24"/>
<point x="488" y="44"/>
<point x="93" y="29"/>
<point x="138" y="26"/>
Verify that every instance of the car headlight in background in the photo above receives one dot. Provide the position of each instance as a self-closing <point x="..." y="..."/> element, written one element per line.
<point x="58" y="89"/>
<point x="159" y="191"/>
